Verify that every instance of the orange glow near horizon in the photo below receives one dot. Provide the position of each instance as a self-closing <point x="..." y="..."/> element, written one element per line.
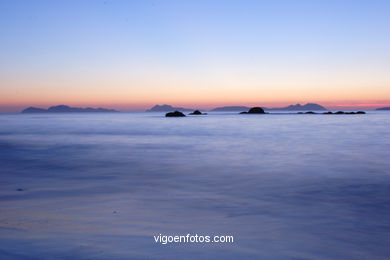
<point x="141" y="106"/>
<point x="138" y="88"/>
<point x="139" y="92"/>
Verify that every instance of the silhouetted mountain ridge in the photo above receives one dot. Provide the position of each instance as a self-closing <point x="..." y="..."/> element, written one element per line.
<point x="297" y="107"/>
<point x="383" y="108"/>
<point x="230" y="108"/>
<point x="167" y="108"/>
<point x="66" y="109"/>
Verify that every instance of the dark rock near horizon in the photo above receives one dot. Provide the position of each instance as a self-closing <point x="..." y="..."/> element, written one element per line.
<point x="197" y="112"/>
<point x="166" y="108"/>
<point x="254" y="110"/>
<point x="66" y="109"/>
<point x="350" y="113"/>
<point x="383" y="108"/>
<point x="335" y="113"/>
<point x="174" y="114"/>
<point x="342" y="113"/>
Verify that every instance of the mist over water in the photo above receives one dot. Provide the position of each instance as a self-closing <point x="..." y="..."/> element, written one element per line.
<point x="286" y="186"/>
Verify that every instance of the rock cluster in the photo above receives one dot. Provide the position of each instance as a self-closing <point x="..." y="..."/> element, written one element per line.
<point x="335" y="113"/>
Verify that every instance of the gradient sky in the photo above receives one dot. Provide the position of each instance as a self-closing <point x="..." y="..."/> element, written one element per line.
<point x="131" y="55"/>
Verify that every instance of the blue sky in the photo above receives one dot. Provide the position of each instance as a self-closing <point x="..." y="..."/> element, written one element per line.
<point x="136" y="53"/>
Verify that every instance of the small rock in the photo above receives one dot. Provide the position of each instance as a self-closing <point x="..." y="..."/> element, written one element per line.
<point x="196" y="112"/>
<point x="174" y="114"/>
<point x="254" y="110"/>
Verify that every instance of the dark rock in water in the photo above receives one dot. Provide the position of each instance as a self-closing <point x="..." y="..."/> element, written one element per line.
<point x="335" y="113"/>
<point x="174" y="114"/>
<point x="256" y="110"/>
<point x="20" y="189"/>
<point x="197" y="112"/>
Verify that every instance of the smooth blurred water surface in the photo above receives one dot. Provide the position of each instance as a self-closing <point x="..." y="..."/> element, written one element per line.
<point x="287" y="186"/>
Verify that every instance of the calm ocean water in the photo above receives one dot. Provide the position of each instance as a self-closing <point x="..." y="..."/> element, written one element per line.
<point x="286" y="186"/>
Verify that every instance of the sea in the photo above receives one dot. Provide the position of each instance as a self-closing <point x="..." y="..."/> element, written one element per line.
<point x="283" y="185"/>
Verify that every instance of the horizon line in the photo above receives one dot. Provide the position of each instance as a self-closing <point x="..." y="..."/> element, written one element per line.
<point x="6" y="109"/>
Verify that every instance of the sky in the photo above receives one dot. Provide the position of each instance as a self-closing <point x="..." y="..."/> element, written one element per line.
<point x="131" y="55"/>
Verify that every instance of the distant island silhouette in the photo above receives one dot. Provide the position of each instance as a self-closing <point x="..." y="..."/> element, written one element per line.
<point x="230" y="108"/>
<point x="167" y="108"/>
<point x="66" y="109"/>
<point x="297" y="107"/>
<point x="383" y="108"/>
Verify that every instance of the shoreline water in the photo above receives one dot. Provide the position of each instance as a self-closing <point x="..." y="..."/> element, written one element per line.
<point x="102" y="185"/>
